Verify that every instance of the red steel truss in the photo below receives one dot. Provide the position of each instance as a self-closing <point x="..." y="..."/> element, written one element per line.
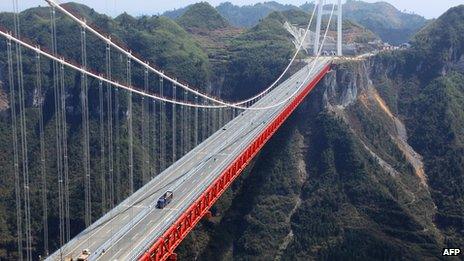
<point x="164" y="247"/>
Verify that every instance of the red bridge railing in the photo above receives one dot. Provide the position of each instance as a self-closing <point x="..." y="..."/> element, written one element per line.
<point x="164" y="247"/>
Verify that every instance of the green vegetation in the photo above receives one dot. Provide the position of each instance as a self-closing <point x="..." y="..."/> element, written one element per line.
<point x="202" y="16"/>
<point x="385" y="20"/>
<point x="258" y="56"/>
<point x="159" y="39"/>
<point x="315" y="191"/>
<point x="250" y="15"/>
<point x="352" y="207"/>
<point x="439" y="136"/>
<point x="430" y="93"/>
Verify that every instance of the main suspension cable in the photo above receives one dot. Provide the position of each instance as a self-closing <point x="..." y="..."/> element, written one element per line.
<point x="174" y="81"/>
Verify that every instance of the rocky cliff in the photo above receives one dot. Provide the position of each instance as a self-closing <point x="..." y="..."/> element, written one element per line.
<point x="344" y="183"/>
<point x="371" y="166"/>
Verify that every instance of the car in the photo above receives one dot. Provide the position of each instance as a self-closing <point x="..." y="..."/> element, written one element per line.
<point x="165" y="199"/>
<point x="84" y="255"/>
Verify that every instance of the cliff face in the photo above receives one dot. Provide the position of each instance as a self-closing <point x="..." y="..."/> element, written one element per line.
<point x="346" y="177"/>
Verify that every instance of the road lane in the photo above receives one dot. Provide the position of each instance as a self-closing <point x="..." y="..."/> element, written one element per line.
<point x="136" y="219"/>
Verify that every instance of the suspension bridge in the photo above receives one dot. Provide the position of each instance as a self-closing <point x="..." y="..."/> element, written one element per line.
<point x="211" y="141"/>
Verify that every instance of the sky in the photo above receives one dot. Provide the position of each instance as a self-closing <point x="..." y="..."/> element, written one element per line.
<point x="426" y="8"/>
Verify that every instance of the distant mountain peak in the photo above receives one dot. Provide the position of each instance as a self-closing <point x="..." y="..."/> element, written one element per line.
<point x="202" y="16"/>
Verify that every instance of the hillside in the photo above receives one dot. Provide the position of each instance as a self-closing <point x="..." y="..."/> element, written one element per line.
<point x="389" y="23"/>
<point x="370" y="167"/>
<point x="259" y="55"/>
<point x="202" y="16"/>
<point x="161" y="41"/>
<point x="250" y="15"/>
<point x="384" y="19"/>
<point x="214" y="35"/>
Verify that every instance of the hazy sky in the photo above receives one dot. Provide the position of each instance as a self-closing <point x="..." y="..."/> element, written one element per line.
<point x="427" y="8"/>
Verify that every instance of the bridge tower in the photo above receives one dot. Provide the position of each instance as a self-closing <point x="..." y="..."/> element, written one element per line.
<point x="339" y="28"/>
<point x="320" y="13"/>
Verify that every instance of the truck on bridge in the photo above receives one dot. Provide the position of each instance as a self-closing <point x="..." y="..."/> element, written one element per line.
<point x="165" y="199"/>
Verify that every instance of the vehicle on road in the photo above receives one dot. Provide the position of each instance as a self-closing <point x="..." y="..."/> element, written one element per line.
<point x="165" y="199"/>
<point x="84" y="255"/>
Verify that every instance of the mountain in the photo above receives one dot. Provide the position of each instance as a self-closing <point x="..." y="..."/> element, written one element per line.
<point x="390" y="24"/>
<point x="259" y="55"/>
<point x="176" y="13"/>
<point x="240" y="16"/>
<point x="371" y="166"/>
<point x="160" y="40"/>
<point x="202" y="16"/>
<point x="384" y="19"/>
<point x="249" y="15"/>
<point x="214" y="35"/>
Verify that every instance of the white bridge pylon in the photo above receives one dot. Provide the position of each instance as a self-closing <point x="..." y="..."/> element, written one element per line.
<point x="321" y="12"/>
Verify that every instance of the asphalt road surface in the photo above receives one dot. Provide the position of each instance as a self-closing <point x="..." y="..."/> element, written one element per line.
<point x="128" y="230"/>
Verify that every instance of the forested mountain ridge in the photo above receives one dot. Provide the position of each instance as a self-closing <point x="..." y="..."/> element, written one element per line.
<point x="202" y="16"/>
<point x="161" y="41"/>
<point x="384" y="19"/>
<point x="389" y="23"/>
<point x="370" y="167"/>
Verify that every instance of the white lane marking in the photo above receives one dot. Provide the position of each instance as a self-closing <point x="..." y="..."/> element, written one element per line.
<point x="163" y="221"/>
<point x="206" y="146"/>
<point x="135" y="236"/>
<point x="251" y="135"/>
<point x="244" y="139"/>
<point x="150" y="211"/>
<point x="211" y="141"/>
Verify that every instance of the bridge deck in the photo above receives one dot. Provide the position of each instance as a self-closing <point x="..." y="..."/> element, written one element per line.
<point x="131" y="228"/>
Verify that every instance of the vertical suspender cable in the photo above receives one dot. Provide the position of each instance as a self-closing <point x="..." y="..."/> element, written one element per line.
<point x="85" y="133"/>
<point x="24" y="145"/>
<point x="109" y="115"/>
<point x="196" y="122"/>
<point x="130" y="129"/>
<point x="118" y="145"/>
<point x="109" y="98"/>
<point x="154" y="140"/>
<point x="14" y="133"/>
<point x="102" y="137"/>
<point x="220" y="118"/>
<point x="174" y="134"/>
<point x="182" y="132"/>
<point x="65" y="152"/>
<point x="188" y="133"/>
<point x="59" y="155"/>
<point x="145" y="142"/>
<point x="162" y="129"/>
<point x="209" y="124"/>
<point x="203" y="124"/>
<point x="42" y="154"/>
